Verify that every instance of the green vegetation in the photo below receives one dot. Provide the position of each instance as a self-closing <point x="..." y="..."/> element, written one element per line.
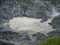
<point x="51" y="41"/>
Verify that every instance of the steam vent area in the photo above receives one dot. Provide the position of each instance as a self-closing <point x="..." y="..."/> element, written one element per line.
<point x="29" y="22"/>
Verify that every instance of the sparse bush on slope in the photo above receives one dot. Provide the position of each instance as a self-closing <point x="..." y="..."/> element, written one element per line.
<point x="51" y="41"/>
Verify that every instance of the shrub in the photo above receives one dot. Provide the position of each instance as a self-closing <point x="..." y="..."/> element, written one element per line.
<point x="51" y="41"/>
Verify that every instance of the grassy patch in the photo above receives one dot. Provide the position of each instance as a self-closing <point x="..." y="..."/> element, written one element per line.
<point x="51" y="41"/>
